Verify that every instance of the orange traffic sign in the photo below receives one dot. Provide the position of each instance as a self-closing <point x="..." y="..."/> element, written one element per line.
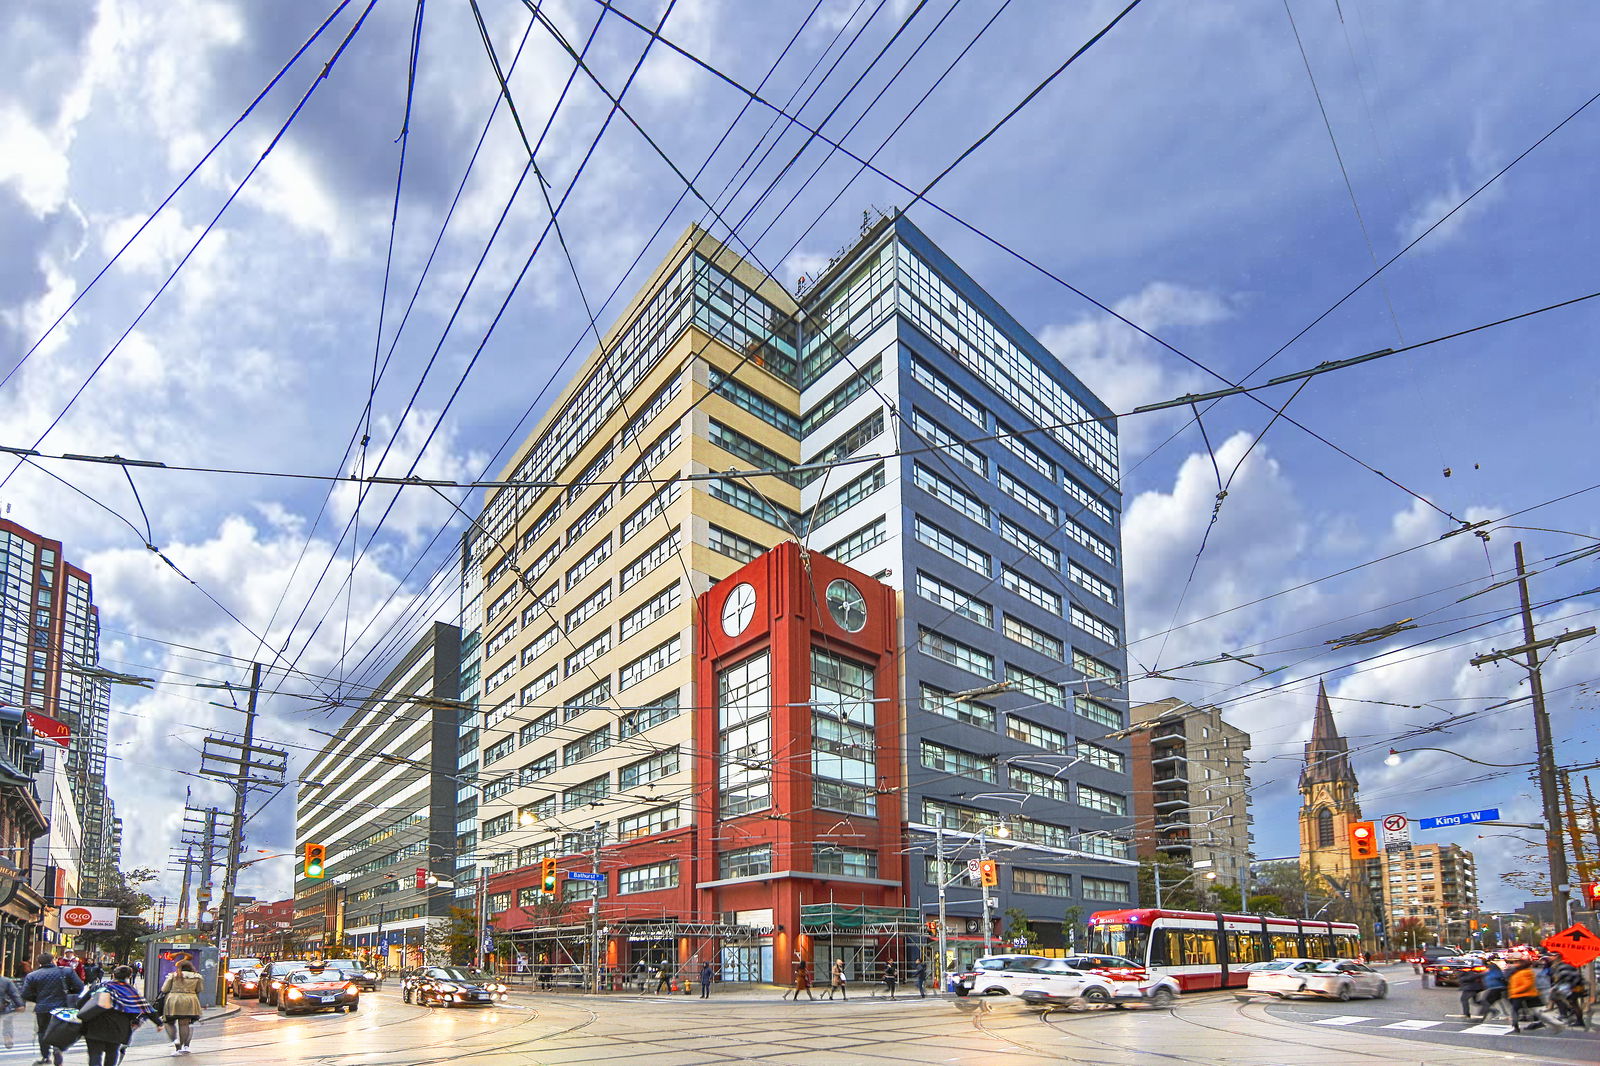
<point x="1576" y="945"/>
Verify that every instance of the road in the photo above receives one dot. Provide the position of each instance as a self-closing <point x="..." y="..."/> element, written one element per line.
<point x="1205" y="1030"/>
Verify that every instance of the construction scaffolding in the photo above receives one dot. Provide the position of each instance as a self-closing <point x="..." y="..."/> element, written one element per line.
<point x="633" y="951"/>
<point x="867" y="939"/>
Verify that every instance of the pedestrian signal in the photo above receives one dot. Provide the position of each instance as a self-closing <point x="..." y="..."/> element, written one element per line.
<point x="316" y="860"/>
<point x="988" y="873"/>
<point x="547" y="880"/>
<point x="1363" y="840"/>
<point x="1591" y="895"/>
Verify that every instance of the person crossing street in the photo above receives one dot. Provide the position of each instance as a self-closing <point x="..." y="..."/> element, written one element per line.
<point x="836" y="981"/>
<point x="49" y="987"/>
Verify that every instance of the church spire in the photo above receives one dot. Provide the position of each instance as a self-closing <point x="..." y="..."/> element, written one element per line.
<point x="1327" y="753"/>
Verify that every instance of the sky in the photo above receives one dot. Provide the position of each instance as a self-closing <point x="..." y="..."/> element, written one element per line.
<point x="1221" y="176"/>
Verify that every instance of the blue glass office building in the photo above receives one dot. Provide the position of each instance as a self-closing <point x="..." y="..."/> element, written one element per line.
<point x="998" y="516"/>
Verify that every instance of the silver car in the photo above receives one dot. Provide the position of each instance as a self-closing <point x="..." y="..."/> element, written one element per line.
<point x="1340" y="979"/>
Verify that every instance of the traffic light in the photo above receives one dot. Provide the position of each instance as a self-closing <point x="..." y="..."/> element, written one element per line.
<point x="1363" y="840"/>
<point x="1591" y="894"/>
<point x="988" y="873"/>
<point x="547" y="878"/>
<point x="422" y="877"/>
<point x="316" y="860"/>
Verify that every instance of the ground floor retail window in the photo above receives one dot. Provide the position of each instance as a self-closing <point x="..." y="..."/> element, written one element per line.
<point x="747" y="962"/>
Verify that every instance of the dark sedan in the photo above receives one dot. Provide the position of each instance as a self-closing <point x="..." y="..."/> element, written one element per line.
<point x="272" y="979"/>
<point x="1447" y="972"/>
<point x="451" y="986"/>
<point x="305" y="991"/>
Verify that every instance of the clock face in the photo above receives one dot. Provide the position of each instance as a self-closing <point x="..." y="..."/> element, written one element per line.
<point x="847" y="605"/>
<point x="738" y="609"/>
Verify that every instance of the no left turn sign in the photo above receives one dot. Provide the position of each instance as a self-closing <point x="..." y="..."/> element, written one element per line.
<point x="1394" y="823"/>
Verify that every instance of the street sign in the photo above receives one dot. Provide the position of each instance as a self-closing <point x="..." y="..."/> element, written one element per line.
<point x="1396" y="833"/>
<point x="1450" y="821"/>
<point x="580" y="875"/>
<point x="1576" y="945"/>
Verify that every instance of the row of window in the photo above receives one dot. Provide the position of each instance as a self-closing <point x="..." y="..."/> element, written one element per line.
<point x="958" y="762"/>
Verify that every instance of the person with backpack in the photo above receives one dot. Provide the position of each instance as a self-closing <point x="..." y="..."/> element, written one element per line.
<point x="109" y="1018"/>
<point x="1494" y="987"/>
<point x="1566" y="990"/>
<point x="49" y="987"/>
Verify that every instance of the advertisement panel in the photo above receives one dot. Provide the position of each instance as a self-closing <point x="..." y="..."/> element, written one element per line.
<point x="81" y="918"/>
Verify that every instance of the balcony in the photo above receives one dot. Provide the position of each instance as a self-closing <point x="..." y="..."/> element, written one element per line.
<point x="1169" y="756"/>
<point x="1170" y="801"/>
<point x="1179" y="778"/>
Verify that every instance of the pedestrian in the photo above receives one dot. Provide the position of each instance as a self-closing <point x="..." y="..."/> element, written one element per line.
<point x="1494" y="987"/>
<point x="642" y="974"/>
<point x="663" y="979"/>
<point x="921" y="975"/>
<point x="706" y="975"/>
<point x="1566" y="991"/>
<point x="1471" y="986"/>
<point x="802" y="982"/>
<point x="1522" y="989"/>
<point x="180" y="1004"/>
<point x="93" y="972"/>
<point x="110" y="1018"/>
<point x="49" y="987"/>
<point x="836" y="981"/>
<point x="10" y="1005"/>
<point x="891" y="977"/>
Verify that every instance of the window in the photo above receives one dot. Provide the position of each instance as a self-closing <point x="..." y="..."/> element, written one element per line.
<point x="572" y="891"/>
<point x="539" y="686"/>
<point x="595" y="696"/>
<point x="952" y="547"/>
<point x="1040" y="882"/>
<point x="657" y="821"/>
<point x="659" y="449"/>
<point x="954" y="652"/>
<point x="944" y="703"/>
<point x="1024" y="541"/>
<point x="497" y="788"/>
<point x="501" y="603"/>
<point x="1097" y="800"/>
<point x="1097" y="712"/>
<point x="1100" y="888"/>
<point x="588" y="608"/>
<point x="588" y="653"/>
<point x="1093" y="626"/>
<point x="541" y="767"/>
<point x="590" y="517"/>
<point x="754" y="403"/>
<point x="836" y="503"/>
<point x="942" y="388"/>
<point x="1105" y="758"/>
<point x="546" y="601"/>
<point x="591" y="791"/>
<point x="844" y="862"/>
<point x="496" y="642"/>
<point x="499" y="750"/>
<point x="757" y="455"/>
<point x="1036" y="784"/>
<point x="1081" y="492"/>
<point x="654" y="556"/>
<point x="751" y="502"/>
<point x="1036" y="686"/>
<point x="647" y="770"/>
<point x="652" y="609"/>
<point x="838" y="796"/>
<point x="497" y="825"/>
<point x="1034" y="637"/>
<point x="1324" y="828"/>
<point x="503" y="674"/>
<point x="947" y="493"/>
<point x="648" y="717"/>
<point x="498" y="713"/>
<point x="1031" y="590"/>
<point x="657" y="503"/>
<point x="955" y="761"/>
<point x="1028" y="498"/>
<point x="1091" y="583"/>
<point x="837" y="400"/>
<point x="1100" y="844"/>
<point x="545" y="641"/>
<point x="587" y="565"/>
<point x="541" y="525"/>
<point x="952" y="599"/>
<point x="1098" y="545"/>
<point x="1041" y="736"/>
<point x="744" y="736"/>
<point x="951" y="445"/>
<point x="588" y="745"/>
<point x="1019" y="446"/>
<point x="745" y="862"/>
<point x="853" y="440"/>
<point x="651" y="662"/>
<point x="726" y="542"/>
<point x="1090" y="667"/>
<point x="648" y="878"/>
<point x="864" y="539"/>
<point x="843" y="717"/>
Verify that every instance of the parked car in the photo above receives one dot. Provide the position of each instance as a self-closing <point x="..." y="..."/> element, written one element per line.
<point x="272" y="979"/>
<point x="1340" y="979"/>
<point x="323" y="988"/>
<point x="450" y="986"/>
<point x="1447" y="972"/>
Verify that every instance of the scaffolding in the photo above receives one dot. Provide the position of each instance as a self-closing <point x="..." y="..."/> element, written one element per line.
<point x="557" y="955"/>
<point x="867" y="939"/>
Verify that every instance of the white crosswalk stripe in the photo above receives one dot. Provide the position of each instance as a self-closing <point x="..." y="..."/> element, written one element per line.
<point x="1345" y="1019"/>
<point x="1488" y="1029"/>
<point x="1413" y="1023"/>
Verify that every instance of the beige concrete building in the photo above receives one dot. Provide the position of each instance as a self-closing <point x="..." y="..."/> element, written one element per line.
<point x="1436" y="884"/>
<point x="1191" y="788"/>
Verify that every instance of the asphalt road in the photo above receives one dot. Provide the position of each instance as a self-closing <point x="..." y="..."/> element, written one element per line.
<point x="1412" y="1012"/>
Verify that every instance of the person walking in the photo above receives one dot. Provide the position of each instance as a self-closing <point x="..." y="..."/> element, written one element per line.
<point x="802" y="983"/>
<point x="180" y="1004"/>
<point x="1471" y="985"/>
<point x="111" y="1016"/>
<point x="49" y="987"/>
<point x="1522" y="989"/>
<point x="1494" y="987"/>
<point x="891" y="977"/>
<point x="663" y="979"/>
<point x="836" y="981"/>
<point x="706" y="976"/>
<point x="920" y="975"/>
<point x="1566" y="991"/>
<point x="73" y="963"/>
<point x="10" y="1006"/>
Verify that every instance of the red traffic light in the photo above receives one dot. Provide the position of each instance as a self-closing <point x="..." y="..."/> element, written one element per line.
<point x="1591" y="894"/>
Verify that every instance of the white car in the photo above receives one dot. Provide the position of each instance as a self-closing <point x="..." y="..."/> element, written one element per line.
<point x="1129" y="981"/>
<point x="1035" y="979"/>
<point x="1340" y="979"/>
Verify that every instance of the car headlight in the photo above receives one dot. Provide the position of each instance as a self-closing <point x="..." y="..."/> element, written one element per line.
<point x="371" y="975"/>
<point x="446" y="987"/>
<point x="294" y="993"/>
<point x="497" y="988"/>
<point x="352" y="987"/>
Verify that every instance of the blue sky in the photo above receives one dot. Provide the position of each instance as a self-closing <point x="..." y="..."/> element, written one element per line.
<point x="1180" y="171"/>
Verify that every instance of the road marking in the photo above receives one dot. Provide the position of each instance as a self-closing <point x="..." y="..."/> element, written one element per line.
<point x="1412" y="1023"/>
<point x="1344" y="1019"/>
<point x="1488" y="1030"/>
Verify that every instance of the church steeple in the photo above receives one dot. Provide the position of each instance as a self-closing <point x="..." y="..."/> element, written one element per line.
<point x="1327" y="753"/>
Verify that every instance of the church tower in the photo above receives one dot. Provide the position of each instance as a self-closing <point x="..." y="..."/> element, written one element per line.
<point x="1328" y="806"/>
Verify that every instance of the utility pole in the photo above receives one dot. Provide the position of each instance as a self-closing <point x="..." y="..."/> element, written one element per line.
<point x="988" y="926"/>
<point x="1155" y="868"/>
<point x="188" y="872"/>
<point x="938" y="850"/>
<point x="483" y="931"/>
<point x="241" y="792"/>
<point x="1550" y="801"/>
<point x="594" y="911"/>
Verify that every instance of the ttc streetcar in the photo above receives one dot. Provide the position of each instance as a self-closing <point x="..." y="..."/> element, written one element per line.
<point x="1207" y="950"/>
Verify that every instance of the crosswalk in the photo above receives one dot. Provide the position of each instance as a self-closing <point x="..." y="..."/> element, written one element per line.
<point x="1462" y="1026"/>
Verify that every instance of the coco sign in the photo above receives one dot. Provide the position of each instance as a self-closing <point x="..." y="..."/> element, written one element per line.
<point x="87" y="918"/>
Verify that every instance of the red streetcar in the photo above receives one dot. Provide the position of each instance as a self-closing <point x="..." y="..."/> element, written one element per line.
<point x="1209" y="950"/>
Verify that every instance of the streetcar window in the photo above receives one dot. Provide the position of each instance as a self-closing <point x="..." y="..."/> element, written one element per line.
<point x="1120" y="938"/>
<point x="1246" y="947"/>
<point x="1345" y="946"/>
<point x="1316" y="946"/>
<point x="1199" y="949"/>
<point x="1285" y="946"/>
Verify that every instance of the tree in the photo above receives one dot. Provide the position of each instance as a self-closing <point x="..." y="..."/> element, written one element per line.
<point x="1409" y="932"/>
<point x="456" y="938"/>
<point x="122" y="890"/>
<point x="1180" y="888"/>
<point x="1071" y="923"/>
<point x="1018" y="927"/>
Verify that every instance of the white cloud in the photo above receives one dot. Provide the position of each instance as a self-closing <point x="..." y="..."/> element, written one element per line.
<point x="417" y="512"/>
<point x="1462" y="177"/>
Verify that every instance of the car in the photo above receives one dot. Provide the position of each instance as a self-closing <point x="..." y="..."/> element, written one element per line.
<point x="270" y="980"/>
<point x="451" y="986"/>
<point x="242" y="983"/>
<point x="323" y="988"/>
<point x="1129" y="980"/>
<point x="965" y="982"/>
<point x="1034" y="979"/>
<point x="1448" y="972"/>
<point x="368" y="978"/>
<point x="1340" y="979"/>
